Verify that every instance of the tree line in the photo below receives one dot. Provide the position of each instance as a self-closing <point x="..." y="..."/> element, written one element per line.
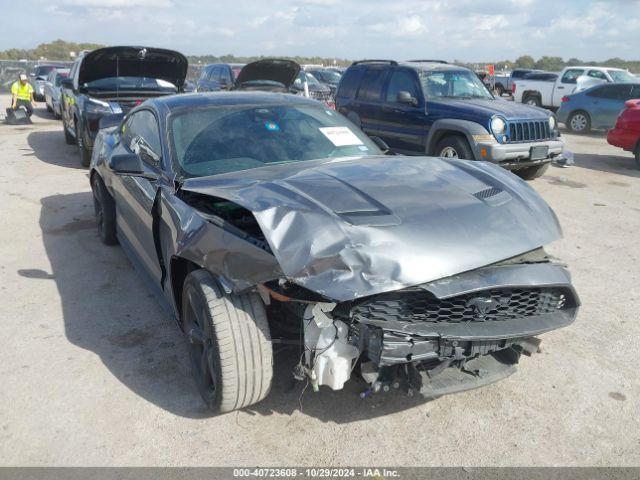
<point x="61" y="50"/>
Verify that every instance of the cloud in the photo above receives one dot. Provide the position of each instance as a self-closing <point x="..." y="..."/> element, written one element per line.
<point x="105" y="4"/>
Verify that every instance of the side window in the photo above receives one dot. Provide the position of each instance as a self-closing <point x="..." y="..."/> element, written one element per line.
<point x="372" y="83"/>
<point x="349" y="82"/>
<point x="519" y="73"/>
<point x="215" y="74"/>
<point x="401" y="81"/>
<point x="612" y="92"/>
<point x="597" y="74"/>
<point x="142" y="136"/>
<point x="571" y="75"/>
<point x="225" y="76"/>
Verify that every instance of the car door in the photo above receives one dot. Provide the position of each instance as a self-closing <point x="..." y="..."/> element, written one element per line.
<point x="606" y="103"/>
<point x="402" y="124"/>
<point x="369" y="102"/>
<point x="567" y="84"/>
<point x="136" y="194"/>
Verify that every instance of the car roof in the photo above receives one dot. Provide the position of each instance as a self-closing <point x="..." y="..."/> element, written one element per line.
<point x="431" y="66"/>
<point x="195" y="100"/>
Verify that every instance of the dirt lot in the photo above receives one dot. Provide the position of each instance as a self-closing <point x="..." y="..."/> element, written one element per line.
<point x="94" y="373"/>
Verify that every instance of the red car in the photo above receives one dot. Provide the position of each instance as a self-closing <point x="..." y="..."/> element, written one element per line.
<point x="626" y="133"/>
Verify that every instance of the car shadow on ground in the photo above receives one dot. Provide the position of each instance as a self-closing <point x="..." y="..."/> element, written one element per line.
<point x="108" y="310"/>
<point x="622" y="165"/>
<point x="50" y="147"/>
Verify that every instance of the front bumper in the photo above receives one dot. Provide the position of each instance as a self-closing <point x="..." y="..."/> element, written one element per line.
<point x="517" y="155"/>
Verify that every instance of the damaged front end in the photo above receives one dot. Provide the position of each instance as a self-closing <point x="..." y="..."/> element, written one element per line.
<point x="441" y="337"/>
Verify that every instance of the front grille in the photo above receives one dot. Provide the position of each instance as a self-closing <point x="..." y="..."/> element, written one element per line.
<point x="489" y="305"/>
<point x="528" y="131"/>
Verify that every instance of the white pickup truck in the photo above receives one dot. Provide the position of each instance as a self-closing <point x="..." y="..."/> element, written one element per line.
<point x="572" y="79"/>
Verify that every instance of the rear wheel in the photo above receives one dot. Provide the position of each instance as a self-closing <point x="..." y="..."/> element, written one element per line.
<point x="229" y="343"/>
<point x="533" y="100"/>
<point x="454" y="146"/>
<point x="499" y="90"/>
<point x="105" y="211"/>
<point x="49" y="109"/>
<point x="85" y="153"/>
<point x="579" y="122"/>
<point x="530" y="173"/>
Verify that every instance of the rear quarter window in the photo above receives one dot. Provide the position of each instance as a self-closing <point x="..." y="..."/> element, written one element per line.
<point x="350" y="82"/>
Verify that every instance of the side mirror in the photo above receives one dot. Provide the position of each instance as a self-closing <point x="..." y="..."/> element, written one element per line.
<point x="407" y="99"/>
<point x="382" y="145"/>
<point x="126" y="164"/>
<point x="67" y="83"/>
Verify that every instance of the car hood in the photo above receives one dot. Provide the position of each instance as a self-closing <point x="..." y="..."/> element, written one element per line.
<point x="509" y="110"/>
<point x="355" y="227"/>
<point x="271" y="70"/>
<point x="156" y="63"/>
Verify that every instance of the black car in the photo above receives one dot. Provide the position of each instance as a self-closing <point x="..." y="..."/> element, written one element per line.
<point x="218" y="76"/>
<point x="426" y="107"/>
<point x="257" y="215"/>
<point x="330" y="78"/>
<point x="111" y="81"/>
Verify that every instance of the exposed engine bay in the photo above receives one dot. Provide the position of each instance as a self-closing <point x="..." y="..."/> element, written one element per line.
<point x="418" y="341"/>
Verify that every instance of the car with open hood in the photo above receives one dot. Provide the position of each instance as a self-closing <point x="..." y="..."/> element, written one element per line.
<point x="263" y="217"/>
<point x="112" y="80"/>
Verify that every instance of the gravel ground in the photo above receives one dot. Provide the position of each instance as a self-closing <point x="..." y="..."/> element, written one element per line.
<point x="93" y="372"/>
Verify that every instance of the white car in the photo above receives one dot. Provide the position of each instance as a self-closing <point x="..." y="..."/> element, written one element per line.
<point x="572" y="79"/>
<point x="52" y="90"/>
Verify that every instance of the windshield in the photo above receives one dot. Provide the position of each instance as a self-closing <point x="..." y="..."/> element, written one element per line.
<point x="311" y="80"/>
<point x="227" y="139"/>
<point x="453" y="84"/>
<point x="60" y="76"/>
<point x="621" y="76"/>
<point x="327" y="76"/>
<point x="130" y="83"/>
<point x="44" y="71"/>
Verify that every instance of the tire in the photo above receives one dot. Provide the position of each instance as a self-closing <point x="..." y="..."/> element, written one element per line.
<point x="454" y="146"/>
<point x="105" y="211"/>
<point x="229" y="343"/>
<point x="530" y="173"/>
<point x="533" y="100"/>
<point x="68" y="138"/>
<point x="579" y="122"/>
<point x="500" y="90"/>
<point x="637" y="154"/>
<point x="49" y="109"/>
<point x="85" y="153"/>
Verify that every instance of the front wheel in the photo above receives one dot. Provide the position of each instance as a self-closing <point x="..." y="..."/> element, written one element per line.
<point x="579" y="122"/>
<point x="229" y="343"/>
<point x="529" y="173"/>
<point x="105" y="211"/>
<point x="454" y="147"/>
<point x="85" y="153"/>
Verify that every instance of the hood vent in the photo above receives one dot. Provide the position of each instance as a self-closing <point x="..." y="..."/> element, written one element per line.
<point x="493" y="196"/>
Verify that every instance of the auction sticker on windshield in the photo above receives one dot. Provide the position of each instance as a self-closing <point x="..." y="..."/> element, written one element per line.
<point x="341" y="136"/>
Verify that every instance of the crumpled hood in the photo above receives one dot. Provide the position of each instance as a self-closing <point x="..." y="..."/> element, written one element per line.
<point x="148" y="62"/>
<point x="271" y="69"/>
<point x="356" y="227"/>
<point x="509" y="110"/>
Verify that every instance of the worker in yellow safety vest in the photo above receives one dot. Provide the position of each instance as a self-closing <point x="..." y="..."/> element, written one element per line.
<point x="22" y="94"/>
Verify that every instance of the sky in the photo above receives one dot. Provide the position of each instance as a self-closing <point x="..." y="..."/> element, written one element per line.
<point x="465" y="30"/>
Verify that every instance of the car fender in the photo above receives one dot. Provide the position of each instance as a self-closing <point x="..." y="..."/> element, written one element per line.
<point x="463" y="127"/>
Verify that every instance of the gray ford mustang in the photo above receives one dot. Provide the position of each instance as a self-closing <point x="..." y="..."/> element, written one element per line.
<point x="263" y="216"/>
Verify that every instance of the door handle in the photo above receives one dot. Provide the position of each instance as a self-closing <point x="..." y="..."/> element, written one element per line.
<point x="560" y="88"/>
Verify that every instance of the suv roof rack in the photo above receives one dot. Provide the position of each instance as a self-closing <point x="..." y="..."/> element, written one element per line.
<point x="427" y="61"/>
<point x="390" y="62"/>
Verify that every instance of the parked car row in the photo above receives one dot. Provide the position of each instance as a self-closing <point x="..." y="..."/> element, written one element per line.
<point x="259" y="215"/>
